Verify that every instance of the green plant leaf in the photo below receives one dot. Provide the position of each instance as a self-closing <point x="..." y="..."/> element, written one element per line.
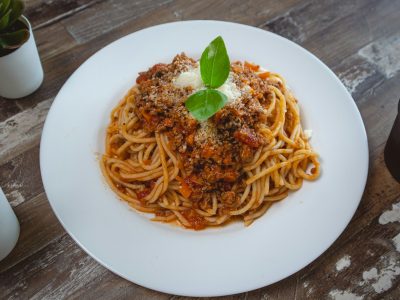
<point x="4" y="6"/>
<point x="205" y="103"/>
<point x="17" y="7"/>
<point x="4" y="20"/>
<point x="214" y="64"/>
<point x="14" y="40"/>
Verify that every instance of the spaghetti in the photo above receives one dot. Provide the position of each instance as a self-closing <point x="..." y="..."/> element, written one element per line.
<point x="249" y="155"/>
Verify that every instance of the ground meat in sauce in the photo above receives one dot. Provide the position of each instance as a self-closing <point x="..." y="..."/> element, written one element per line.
<point x="213" y="161"/>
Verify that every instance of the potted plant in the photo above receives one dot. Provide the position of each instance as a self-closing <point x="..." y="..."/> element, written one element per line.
<point x="21" y="72"/>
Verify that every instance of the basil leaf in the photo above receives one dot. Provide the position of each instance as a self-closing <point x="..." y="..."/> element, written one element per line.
<point x="205" y="103"/>
<point x="215" y="64"/>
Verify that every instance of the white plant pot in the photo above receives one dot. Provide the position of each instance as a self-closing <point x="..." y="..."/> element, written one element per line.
<point x="9" y="227"/>
<point x="21" y="72"/>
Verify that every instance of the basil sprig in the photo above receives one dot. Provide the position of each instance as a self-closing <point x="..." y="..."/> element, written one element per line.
<point x="205" y="103"/>
<point x="214" y="69"/>
<point x="214" y="64"/>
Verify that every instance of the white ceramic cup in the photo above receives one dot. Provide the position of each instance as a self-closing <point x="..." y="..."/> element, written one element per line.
<point x="21" y="71"/>
<point x="9" y="227"/>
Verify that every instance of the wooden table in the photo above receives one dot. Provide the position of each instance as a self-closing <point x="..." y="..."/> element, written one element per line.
<point x="358" y="40"/>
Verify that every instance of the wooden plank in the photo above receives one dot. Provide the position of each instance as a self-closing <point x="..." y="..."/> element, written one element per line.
<point x="285" y="289"/>
<point x="20" y="178"/>
<point x="383" y="53"/>
<point x="333" y="30"/>
<point x="254" y="13"/>
<point x="111" y="286"/>
<point x="312" y="17"/>
<point x="22" y="131"/>
<point x="359" y="76"/>
<point x="52" y="273"/>
<point x="366" y="70"/>
<point x="43" y="13"/>
<point x="346" y="36"/>
<point x="88" y="25"/>
<point x="8" y="108"/>
<point x="106" y="16"/>
<point x="39" y="226"/>
<point x="52" y="40"/>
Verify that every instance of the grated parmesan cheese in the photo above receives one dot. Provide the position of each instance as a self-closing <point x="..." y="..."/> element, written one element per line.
<point x="192" y="78"/>
<point x="207" y="130"/>
<point x="308" y="133"/>
<point x="230" y="90"/>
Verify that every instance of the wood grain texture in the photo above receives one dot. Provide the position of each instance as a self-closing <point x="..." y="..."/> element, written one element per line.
<point x="22" y="130"/>
<point x="39" y="227"/>
<point x="358" y="39"/>
<point x="93" y="22"/>
<point x="20" y="178"/>
<point x="8" y="108"/>
<point x="43" y="13"/>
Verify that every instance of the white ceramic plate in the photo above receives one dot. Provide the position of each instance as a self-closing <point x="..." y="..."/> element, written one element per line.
<point x="212" y="262"/>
